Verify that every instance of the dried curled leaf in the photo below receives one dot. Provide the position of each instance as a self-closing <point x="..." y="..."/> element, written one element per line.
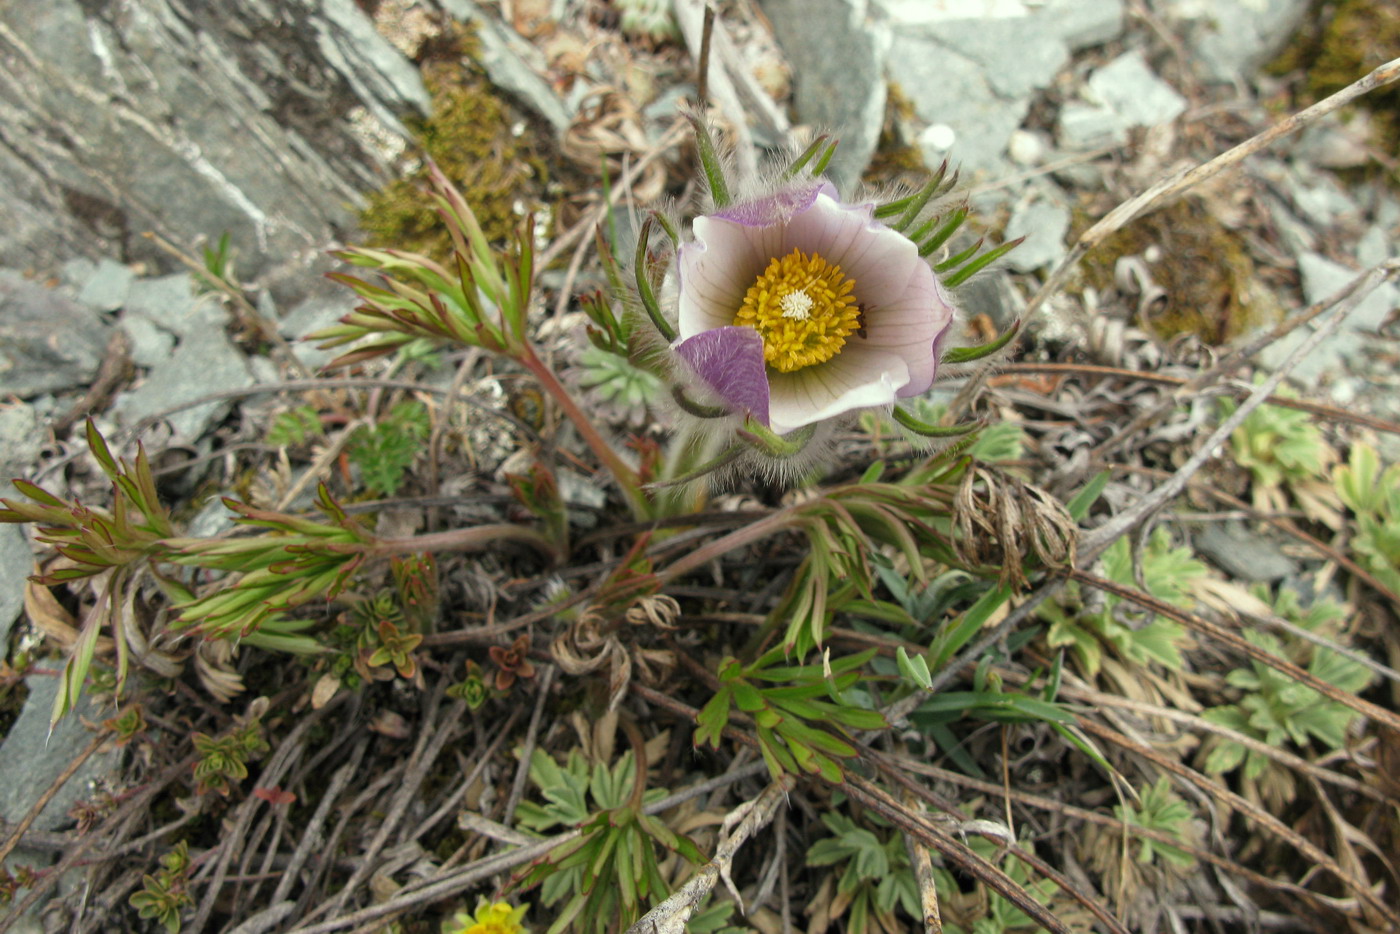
<point x="1003" y="522"/>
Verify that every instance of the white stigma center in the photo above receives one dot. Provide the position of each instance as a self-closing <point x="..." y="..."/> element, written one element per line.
<point x="796" y="305"/>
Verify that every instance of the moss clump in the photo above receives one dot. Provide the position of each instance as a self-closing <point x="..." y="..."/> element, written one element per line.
<point x="1344" y="41"/>
<point x="468" y="135"/>
<point x="895" y="159"/>
<point x="1208" y="276"/>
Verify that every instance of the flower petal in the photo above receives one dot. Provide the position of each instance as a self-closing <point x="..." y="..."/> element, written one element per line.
<point x="778" y="208"/>
<point x="912" y="326"/>
<point x="881" y="261"/>
<point x="730" y="361"/>
<point x="715" y="271"/>
<point x="856" y="378"/>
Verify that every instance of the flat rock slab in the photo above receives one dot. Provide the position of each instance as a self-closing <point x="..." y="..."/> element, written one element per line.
<point x="837" y="50"/>
<point x="1044" y="225"/>
<point x="206" y="362"/>
<point x="1120" y="96"/>
<point x="1231" y="39"/>
<point x="48" y="342"/>
<point x="972" y="67"/>
<point x="31" y="758"/>
<point x="19" y="449"/>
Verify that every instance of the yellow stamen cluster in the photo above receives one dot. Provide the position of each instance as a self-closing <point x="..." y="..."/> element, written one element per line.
<point x="803" y="308"/>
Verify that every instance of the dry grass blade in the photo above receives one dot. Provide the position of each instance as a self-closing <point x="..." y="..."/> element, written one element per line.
<point x="671" y="915"/>
<point x="919" y="826"/>
<point x="915" y="767"/>
<point x="1182" y="181"/>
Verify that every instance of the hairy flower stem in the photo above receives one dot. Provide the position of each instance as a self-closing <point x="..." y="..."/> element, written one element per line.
<point x="623" y="473"/>
<point x="779" y="521"/>
<point x="471" y="539"/>
<point x="684" y="488"/>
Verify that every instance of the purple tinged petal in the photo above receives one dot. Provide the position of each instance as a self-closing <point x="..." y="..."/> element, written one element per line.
<point x="777" y="208"/>
<point x="730" y="361"/>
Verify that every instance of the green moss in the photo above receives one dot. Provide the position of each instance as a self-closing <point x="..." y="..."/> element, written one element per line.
<point x="894" y="159"/>
<point x="1342" y="42"/>
<point x="1208" y="276"/>
<point x="469" y="136"/>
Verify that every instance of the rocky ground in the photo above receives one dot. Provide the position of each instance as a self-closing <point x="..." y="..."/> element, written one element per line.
<point x="274" y="122"/>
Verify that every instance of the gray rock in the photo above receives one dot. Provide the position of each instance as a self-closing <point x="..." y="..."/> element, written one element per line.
<point x="32" y="757"/>
<point x="1242" y="554"/>
<point x="376" y="71"/>
<point x="1077" y="23"/>
<point x="1374" y="247"/>
<point x="974" y="66"/>
<point x="205" y="362"/>
<point x="1231" y="39"/>
<point x="16" y="563"/>
<point x="1016" y="56"/>
<point x="150" y="345"/>
<point x="76" y="272"/>
<point x="991" y="293"/>
<point x="1119" y="96"/>
<point x="1130" y="87"/>
<point x="1321" y="279"/>
<point x="19" y="449"/>
<point x="1044" y="225"/>
<point x="311" y="315"/>
<point x="949" y="90"/>
<point x="107" y="287"/>
<point x="191" y="120"/>
<point x="1082" y="23"/>
<point x="1088" y="126"/>
<point x="171" y="302"/>
<point x="1318" y="197"/>
<point x="838" y="50"/>
<point x="48" y="342"/>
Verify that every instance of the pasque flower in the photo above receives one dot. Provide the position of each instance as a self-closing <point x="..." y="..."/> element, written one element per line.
<point x="796" y="307"/>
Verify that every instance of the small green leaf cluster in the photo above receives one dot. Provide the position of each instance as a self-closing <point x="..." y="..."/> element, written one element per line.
<point x="218" y="260"/>
<point x="97" y="540"/>
<point x="984" y="911"/>
<point x="386" y="450"/>
<point x="789" y="719"/>
<point x="538" y="491"/>
<point x="1275" y="709"/>
<point x="609" y="875"/>
<point x="223" y="760"/>
<point x="1167" y="573"/>
<point x="164" y="894"/>
<point x="482" y="302"/>
<point x="846" y="528"/>
<point x="302" y="560"/>
<point x="876" y="879"/>
<point x="1373" y="496"/>
<point x="989" y="701"/>
<point x="616" y="379"/>
<point x="1161" y="809"/>
<point x="1278" y="445"/>
<point x="294" y="426"/>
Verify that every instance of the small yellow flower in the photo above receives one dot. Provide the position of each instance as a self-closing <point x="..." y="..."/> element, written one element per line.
<point x="497" y="918"/>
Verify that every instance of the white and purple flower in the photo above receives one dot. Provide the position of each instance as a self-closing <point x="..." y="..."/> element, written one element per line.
<point x="796" y="308"/>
